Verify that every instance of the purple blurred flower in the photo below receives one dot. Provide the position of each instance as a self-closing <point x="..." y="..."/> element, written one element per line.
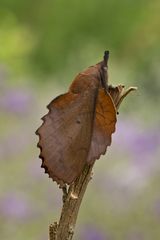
<point x="91" y="232"/>
<point x="15" y="206"/>
<point x="125" y="130"/>
<point x="16" y="101"/>
<point x="145" y="143"/>
<point x="136" y="139"/>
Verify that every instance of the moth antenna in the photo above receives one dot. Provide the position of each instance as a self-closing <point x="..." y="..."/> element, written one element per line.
<point x="106" y="57"/>
<point x="104" y="74"/>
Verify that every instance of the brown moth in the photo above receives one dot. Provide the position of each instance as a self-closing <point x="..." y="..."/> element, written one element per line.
<point x="79" y="124"/>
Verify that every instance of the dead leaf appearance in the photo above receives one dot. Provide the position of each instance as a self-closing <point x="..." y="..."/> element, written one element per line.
<point x="79" y="125"/>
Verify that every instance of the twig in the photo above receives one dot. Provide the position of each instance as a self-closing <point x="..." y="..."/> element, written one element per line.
<point x="72" y="199"/>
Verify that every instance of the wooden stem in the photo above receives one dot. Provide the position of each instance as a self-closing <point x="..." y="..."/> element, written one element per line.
<point x="64" y="230"/>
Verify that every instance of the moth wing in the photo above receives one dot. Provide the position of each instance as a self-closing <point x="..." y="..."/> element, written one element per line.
<point x="65" y="135"/>
<point x="104" y="125"/>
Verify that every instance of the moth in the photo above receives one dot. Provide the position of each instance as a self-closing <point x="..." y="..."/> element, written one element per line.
<point x="78" y="127"/>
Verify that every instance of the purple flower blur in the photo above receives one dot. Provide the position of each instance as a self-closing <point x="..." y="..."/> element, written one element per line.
<point x="136" y="139"/>
<point x="90" y="232"/>
<point x="16" y="101"/>
<point x="14" y="206"/>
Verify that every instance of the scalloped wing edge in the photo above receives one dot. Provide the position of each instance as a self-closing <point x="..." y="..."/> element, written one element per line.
<point x="52" y="176"/>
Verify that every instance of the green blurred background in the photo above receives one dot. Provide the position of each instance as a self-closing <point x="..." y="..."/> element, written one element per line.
<point x="43" y="45"/>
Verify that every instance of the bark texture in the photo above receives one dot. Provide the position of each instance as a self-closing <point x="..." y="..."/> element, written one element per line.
<point x="72" y="199"/>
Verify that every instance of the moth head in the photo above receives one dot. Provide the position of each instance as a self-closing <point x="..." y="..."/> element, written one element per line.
<point x="105" y="59"/>
<point x="103" y="70"/>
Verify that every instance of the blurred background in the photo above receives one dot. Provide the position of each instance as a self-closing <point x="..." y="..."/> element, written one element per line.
<point x="43" y="45"/>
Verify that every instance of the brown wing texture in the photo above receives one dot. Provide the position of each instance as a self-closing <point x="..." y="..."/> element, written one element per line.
<point x="65" y="135"/>
<point x="104" y="125"/>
